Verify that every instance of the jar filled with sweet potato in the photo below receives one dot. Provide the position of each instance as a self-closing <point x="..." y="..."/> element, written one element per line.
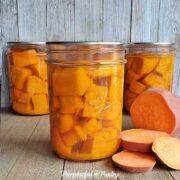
<point x="86" y="98"/>
<point x="27" y="72"/>
<point x="148" y="65"/>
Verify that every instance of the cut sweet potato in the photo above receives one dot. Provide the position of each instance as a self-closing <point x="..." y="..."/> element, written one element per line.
<point x="70" y="104"/>
<point x="40" y="104"/>
<point x="95" y="98"/>
<point x="144" y="65"/>
<point x="19" y="76"/>
<point x="36" y="85"/>
<point x="134" y="162"/>
<point x="140" y="140"/>
<point x="25" y="58"/>
<point x="70" y="81"/>
<point x="64" y="122"/>
<point x="167" y="150"/>
<point x="157" y="109"/>
<point x="25" y="98"/>
<point x="16" y="93"/>
<point x="137" y="87"/>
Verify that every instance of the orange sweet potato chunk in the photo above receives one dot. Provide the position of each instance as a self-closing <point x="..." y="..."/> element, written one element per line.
<point x="36" y="85"/>
<point x="70" y="104"/>
<point x="40" y="70"/>
<point x="22" y="108"/>
<point x="16" y="93"/>
<point x="40" y="104"/>
<point x="25" y="98"/>
<point x="65" y="122"/>
<point x="90" y="126"/>
<point x="25" y="58"/>
<point x="111" y="111"/>
<point x="19" y="76"/>
<point x="137" y="87"/>
<point x="55" y="104"/>
<point x="70" y="81"/>
<point x="95" y="98"/>
<point x="144" y="65"/>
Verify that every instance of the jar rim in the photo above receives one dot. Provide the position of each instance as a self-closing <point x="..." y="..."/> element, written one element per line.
<point x="25" y="43"/>
<point x="150" y="44"/>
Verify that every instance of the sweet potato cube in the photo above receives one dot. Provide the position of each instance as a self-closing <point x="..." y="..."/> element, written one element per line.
<point x="25" y="58"/>
<point x="70" y="104"/>
<point x="95" y="98"/>
<point x="115" y="88"/>
<point x="22" y="108"/>
<point x="19" y="76"/>
<point x="64" y="122"/>
<point x="144" y="65"/>
<point x="25" y="98"/>
<point x="112" y="111"/>
<point x="132" y="76"/>
<point x="70" y="81"/>
<point x="40" y="103"/>
<point x="153" y="80"/>
<point x="16" y="93"/>
<point x="129" y="94"/>
<point x="40" y="70"/>
<point x="74" y="136"/>
<point x="36" y="85"/>
<point x="90" y="126"/>
<point x="137" y="87"/>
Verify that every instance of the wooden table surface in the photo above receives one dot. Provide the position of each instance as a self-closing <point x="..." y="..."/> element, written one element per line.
<point x="25" y="153"/>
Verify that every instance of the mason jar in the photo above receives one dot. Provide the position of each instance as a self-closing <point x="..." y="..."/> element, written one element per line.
<point x="27" y="72"/>
<point x="86" y="98"/>
<point x="148" y="65"/>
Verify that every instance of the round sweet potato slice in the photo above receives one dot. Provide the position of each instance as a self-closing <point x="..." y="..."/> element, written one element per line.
<point x="167" y="150"/>
<point x="140" y="140"/>
<point x="134" y="162"/>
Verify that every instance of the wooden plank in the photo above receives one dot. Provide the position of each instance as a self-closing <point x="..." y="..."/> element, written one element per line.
<point x="169" y="27"/>
<point x="14" y="141"/>
<point x="116" y="20"/>
<point x="169" y="20"/>
<point x="32" y="20"/>
<point x="145" y="15"/>
<point x="9" y="32"/>
<point x="60" y="20"/>
<point x="89" y="20"/>
<point x="37" y="161"/>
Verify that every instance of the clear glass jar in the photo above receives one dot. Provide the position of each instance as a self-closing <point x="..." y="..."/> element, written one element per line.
<point x="86" y="98"/>
<point x="148" y="65"/>
<point x="28" y="77"/>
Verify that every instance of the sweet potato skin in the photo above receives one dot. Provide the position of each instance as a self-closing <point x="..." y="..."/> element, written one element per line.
<point x="131" y="168"/>
<point x="173" y="103"/>
<point x="171" y="148"/>
<point x="130" y="143"/>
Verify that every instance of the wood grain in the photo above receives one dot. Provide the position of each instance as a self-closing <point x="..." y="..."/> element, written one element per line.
<point x="32" y="20"/>
<point x="117" y="20"/>
<point x="60" y="20"/>
<point x="89" y="20"/>
<point x="145" y="16"/>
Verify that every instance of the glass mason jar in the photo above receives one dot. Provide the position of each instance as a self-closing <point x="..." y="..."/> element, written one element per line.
<point x="86" y="98"/>
<point x="148" y="65"/>
<point x="27" y="72"/>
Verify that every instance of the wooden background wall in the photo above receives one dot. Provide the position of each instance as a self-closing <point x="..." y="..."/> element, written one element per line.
<point x="88" y="20"/>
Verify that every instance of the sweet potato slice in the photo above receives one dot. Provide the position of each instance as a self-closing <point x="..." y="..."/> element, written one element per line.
<point x="167" y="150"/>
<point x="134" y="162"/>
<point x="157" y="109"/>
<point x="140" y="140"/>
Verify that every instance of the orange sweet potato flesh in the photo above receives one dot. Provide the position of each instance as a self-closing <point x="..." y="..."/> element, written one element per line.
<point x="146" y="70"/>
<point x="140" y="140"/>
<point x="167" y="150"/>
<point x="134" y="162"/>
<point x="157" y="109"/>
